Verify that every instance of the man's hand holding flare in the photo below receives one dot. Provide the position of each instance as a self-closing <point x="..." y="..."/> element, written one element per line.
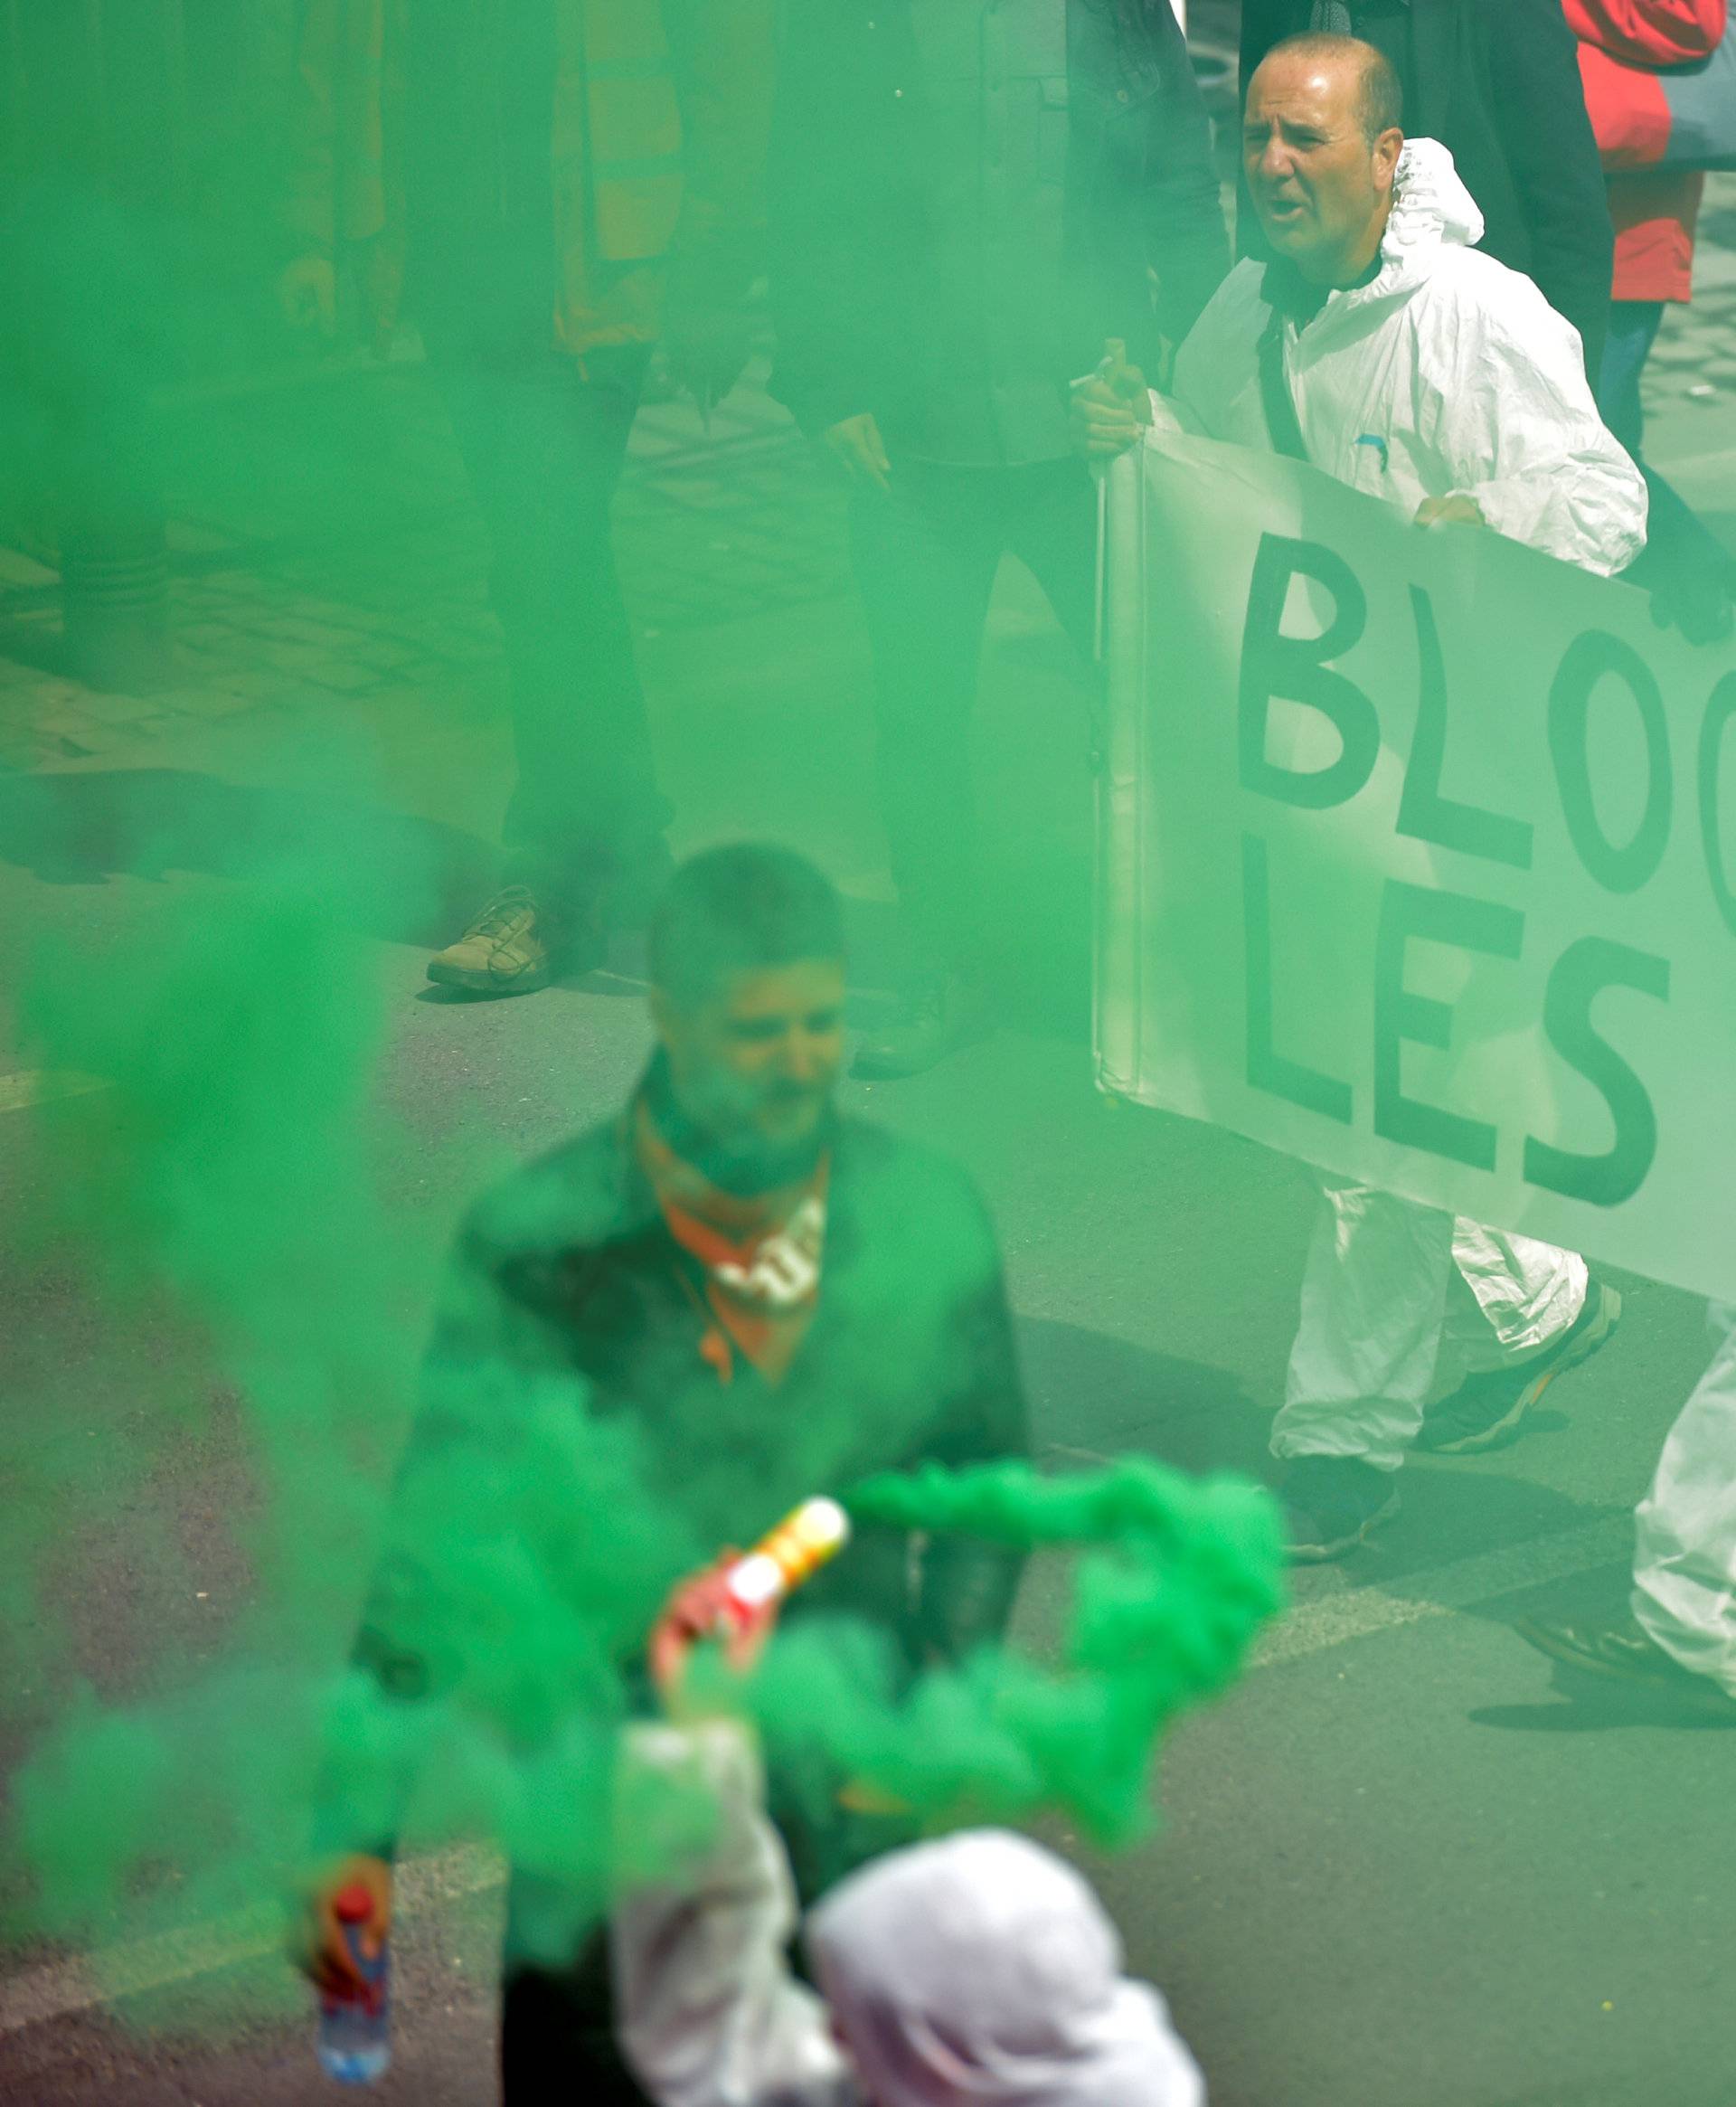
<point x="702" y="1608"/>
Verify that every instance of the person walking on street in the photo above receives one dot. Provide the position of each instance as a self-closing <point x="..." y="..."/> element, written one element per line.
<point x="561" y="184"/>
<point x="1623" y="43"/>
<point x="1378" y="316"/>
<point x="968" y="196"/>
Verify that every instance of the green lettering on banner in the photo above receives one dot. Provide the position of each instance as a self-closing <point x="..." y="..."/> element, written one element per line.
<point x="1424" y="813"/>
<point x="1581" y="970"/>
<point x="1268" y="1070"/>
<point x="1295" y="668"/>
<point x="1589" y="657"/>
<point x="1719" y="709"/>
<point x="1417" y="912"/>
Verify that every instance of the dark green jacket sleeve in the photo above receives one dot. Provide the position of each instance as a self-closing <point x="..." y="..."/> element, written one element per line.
<point x="436" y="1595"/>
<point x="967" y="1586"/>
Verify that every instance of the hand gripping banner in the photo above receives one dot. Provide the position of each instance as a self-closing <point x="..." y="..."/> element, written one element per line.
<point x="1417" y="860"/>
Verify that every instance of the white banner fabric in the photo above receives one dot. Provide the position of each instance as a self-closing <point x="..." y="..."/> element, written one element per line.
<point x="1417" y="860"/>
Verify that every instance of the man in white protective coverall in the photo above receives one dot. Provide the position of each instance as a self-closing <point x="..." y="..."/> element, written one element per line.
<point x="979" y="1966"/>
<point x="1681" y="1641"/>
<point x="1380" y="346"/>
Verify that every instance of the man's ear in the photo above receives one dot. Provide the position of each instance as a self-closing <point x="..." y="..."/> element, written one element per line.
<point x="1387" y="149"/>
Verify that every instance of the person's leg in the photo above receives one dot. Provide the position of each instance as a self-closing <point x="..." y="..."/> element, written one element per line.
<point x="1684" y="564"/>
<point x="545" y="444"/>
<point x="1633" y="329"/>
<point x="1519" y="1313"/>
<point x="557" y="2036"/>
<point x="1373" y="1292"/>
<point x="1373" y="1297"/>
<point x="1685" y="1558"/>
<point x="1051" y="529"/>
<point x="1518" y="1296"/>
<point x="1678" y="1645"/>
<point x="925" y="554"/>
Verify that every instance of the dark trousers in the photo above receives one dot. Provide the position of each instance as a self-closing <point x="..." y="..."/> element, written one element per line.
<point x="545" y="443"/>
<point x="558" y="2046"/>
<point x="1633" y="329"/>
<point x="557" y="2037"/>
<point x="925" y="557"/>
<point x="1682" y="555"/>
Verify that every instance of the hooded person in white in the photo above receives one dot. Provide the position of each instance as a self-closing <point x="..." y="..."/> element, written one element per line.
<point x="979" y="1971"/>
<point x="1382" y="347"/>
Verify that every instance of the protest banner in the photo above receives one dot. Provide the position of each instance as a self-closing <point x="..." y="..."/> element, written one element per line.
<point x="1418" y="859"/>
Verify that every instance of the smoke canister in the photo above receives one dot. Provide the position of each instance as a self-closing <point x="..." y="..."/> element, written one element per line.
<point x="782" y="1560"/>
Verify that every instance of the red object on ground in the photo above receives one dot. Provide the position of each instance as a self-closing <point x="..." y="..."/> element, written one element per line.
<point x="352" y="1905"/>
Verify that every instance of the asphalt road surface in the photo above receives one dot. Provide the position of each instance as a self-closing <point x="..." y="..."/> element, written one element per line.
<point x="1405" y="1863"/>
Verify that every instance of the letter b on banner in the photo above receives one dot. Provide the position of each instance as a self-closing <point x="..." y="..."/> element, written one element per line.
<point x="1296" y="668"/>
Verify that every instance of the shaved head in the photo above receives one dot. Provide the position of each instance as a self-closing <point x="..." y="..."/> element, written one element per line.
<point x="1320" y="147"/>
<point x="1380" y="96"/>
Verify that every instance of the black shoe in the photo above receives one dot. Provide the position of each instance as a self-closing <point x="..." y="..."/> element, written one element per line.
<point x="1486" y="1411"/>
<point x="1331" y="1503"/>
<point x="935" y="1018"/>
<point x="1624" y="1653"/>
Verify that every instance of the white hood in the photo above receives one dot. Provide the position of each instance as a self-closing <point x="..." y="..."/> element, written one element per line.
<point x="982" y="1971"/>
<point x="1431" y="208"/>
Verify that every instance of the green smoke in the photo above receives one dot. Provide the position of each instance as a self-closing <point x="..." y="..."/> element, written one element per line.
<point x="1179" y="1577"/>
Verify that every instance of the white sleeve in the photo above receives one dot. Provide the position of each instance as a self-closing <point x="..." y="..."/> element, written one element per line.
<point x="1216" y="361"/>
<point x="708" y="2012"/>
<point x="1521" y="435"/>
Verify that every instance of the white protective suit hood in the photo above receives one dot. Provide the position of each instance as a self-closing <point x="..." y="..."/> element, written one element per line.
<point x="981" y="1970"/>
<point x="1431" y="210"/>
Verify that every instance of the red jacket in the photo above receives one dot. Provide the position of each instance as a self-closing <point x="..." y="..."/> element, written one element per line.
<point x="1622" y="43"/>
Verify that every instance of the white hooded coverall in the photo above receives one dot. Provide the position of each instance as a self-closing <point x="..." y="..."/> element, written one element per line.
<point x="1684" y="1550"/>
<point x="977" y="1969"/>
<point x="1445" y="374"/>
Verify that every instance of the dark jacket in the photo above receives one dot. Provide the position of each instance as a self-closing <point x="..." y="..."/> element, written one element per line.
<point x="849" y="198"/>
<point x="1497" y="83"/>
<point x="567" y="1270"/>
<point x="535" y="189"/>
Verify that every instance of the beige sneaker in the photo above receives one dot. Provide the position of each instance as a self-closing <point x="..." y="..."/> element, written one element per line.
<point x="501" y="953"/>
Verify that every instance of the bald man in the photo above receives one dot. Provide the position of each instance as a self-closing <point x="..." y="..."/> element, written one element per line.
<point x="1498" y="83"/>
<point x="1379" y="344"/>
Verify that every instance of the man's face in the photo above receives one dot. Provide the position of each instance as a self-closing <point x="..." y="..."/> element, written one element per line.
<point x="1320" y="189"/>
<point x="757" y="1059"/>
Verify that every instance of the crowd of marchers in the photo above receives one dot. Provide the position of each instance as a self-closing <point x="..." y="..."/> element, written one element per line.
<point x="997" y="255"/>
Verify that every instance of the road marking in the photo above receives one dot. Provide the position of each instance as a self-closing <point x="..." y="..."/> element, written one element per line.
<point x="57" y="1988"/>
<point x="1359" y="1612"/>
<point x="44" y="1086"/>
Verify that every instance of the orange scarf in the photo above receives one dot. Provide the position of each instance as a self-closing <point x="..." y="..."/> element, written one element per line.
<point x="759" y="1254"/>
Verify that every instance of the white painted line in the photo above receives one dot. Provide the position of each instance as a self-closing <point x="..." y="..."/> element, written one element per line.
<point x="1361" y="1612"/>
<point x="59" y="1988"/>
<point x="40" y="1086"/>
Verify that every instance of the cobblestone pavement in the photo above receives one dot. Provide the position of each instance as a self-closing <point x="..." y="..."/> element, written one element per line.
<point x="268" y="613"/>
<point x="273" y="608"/>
